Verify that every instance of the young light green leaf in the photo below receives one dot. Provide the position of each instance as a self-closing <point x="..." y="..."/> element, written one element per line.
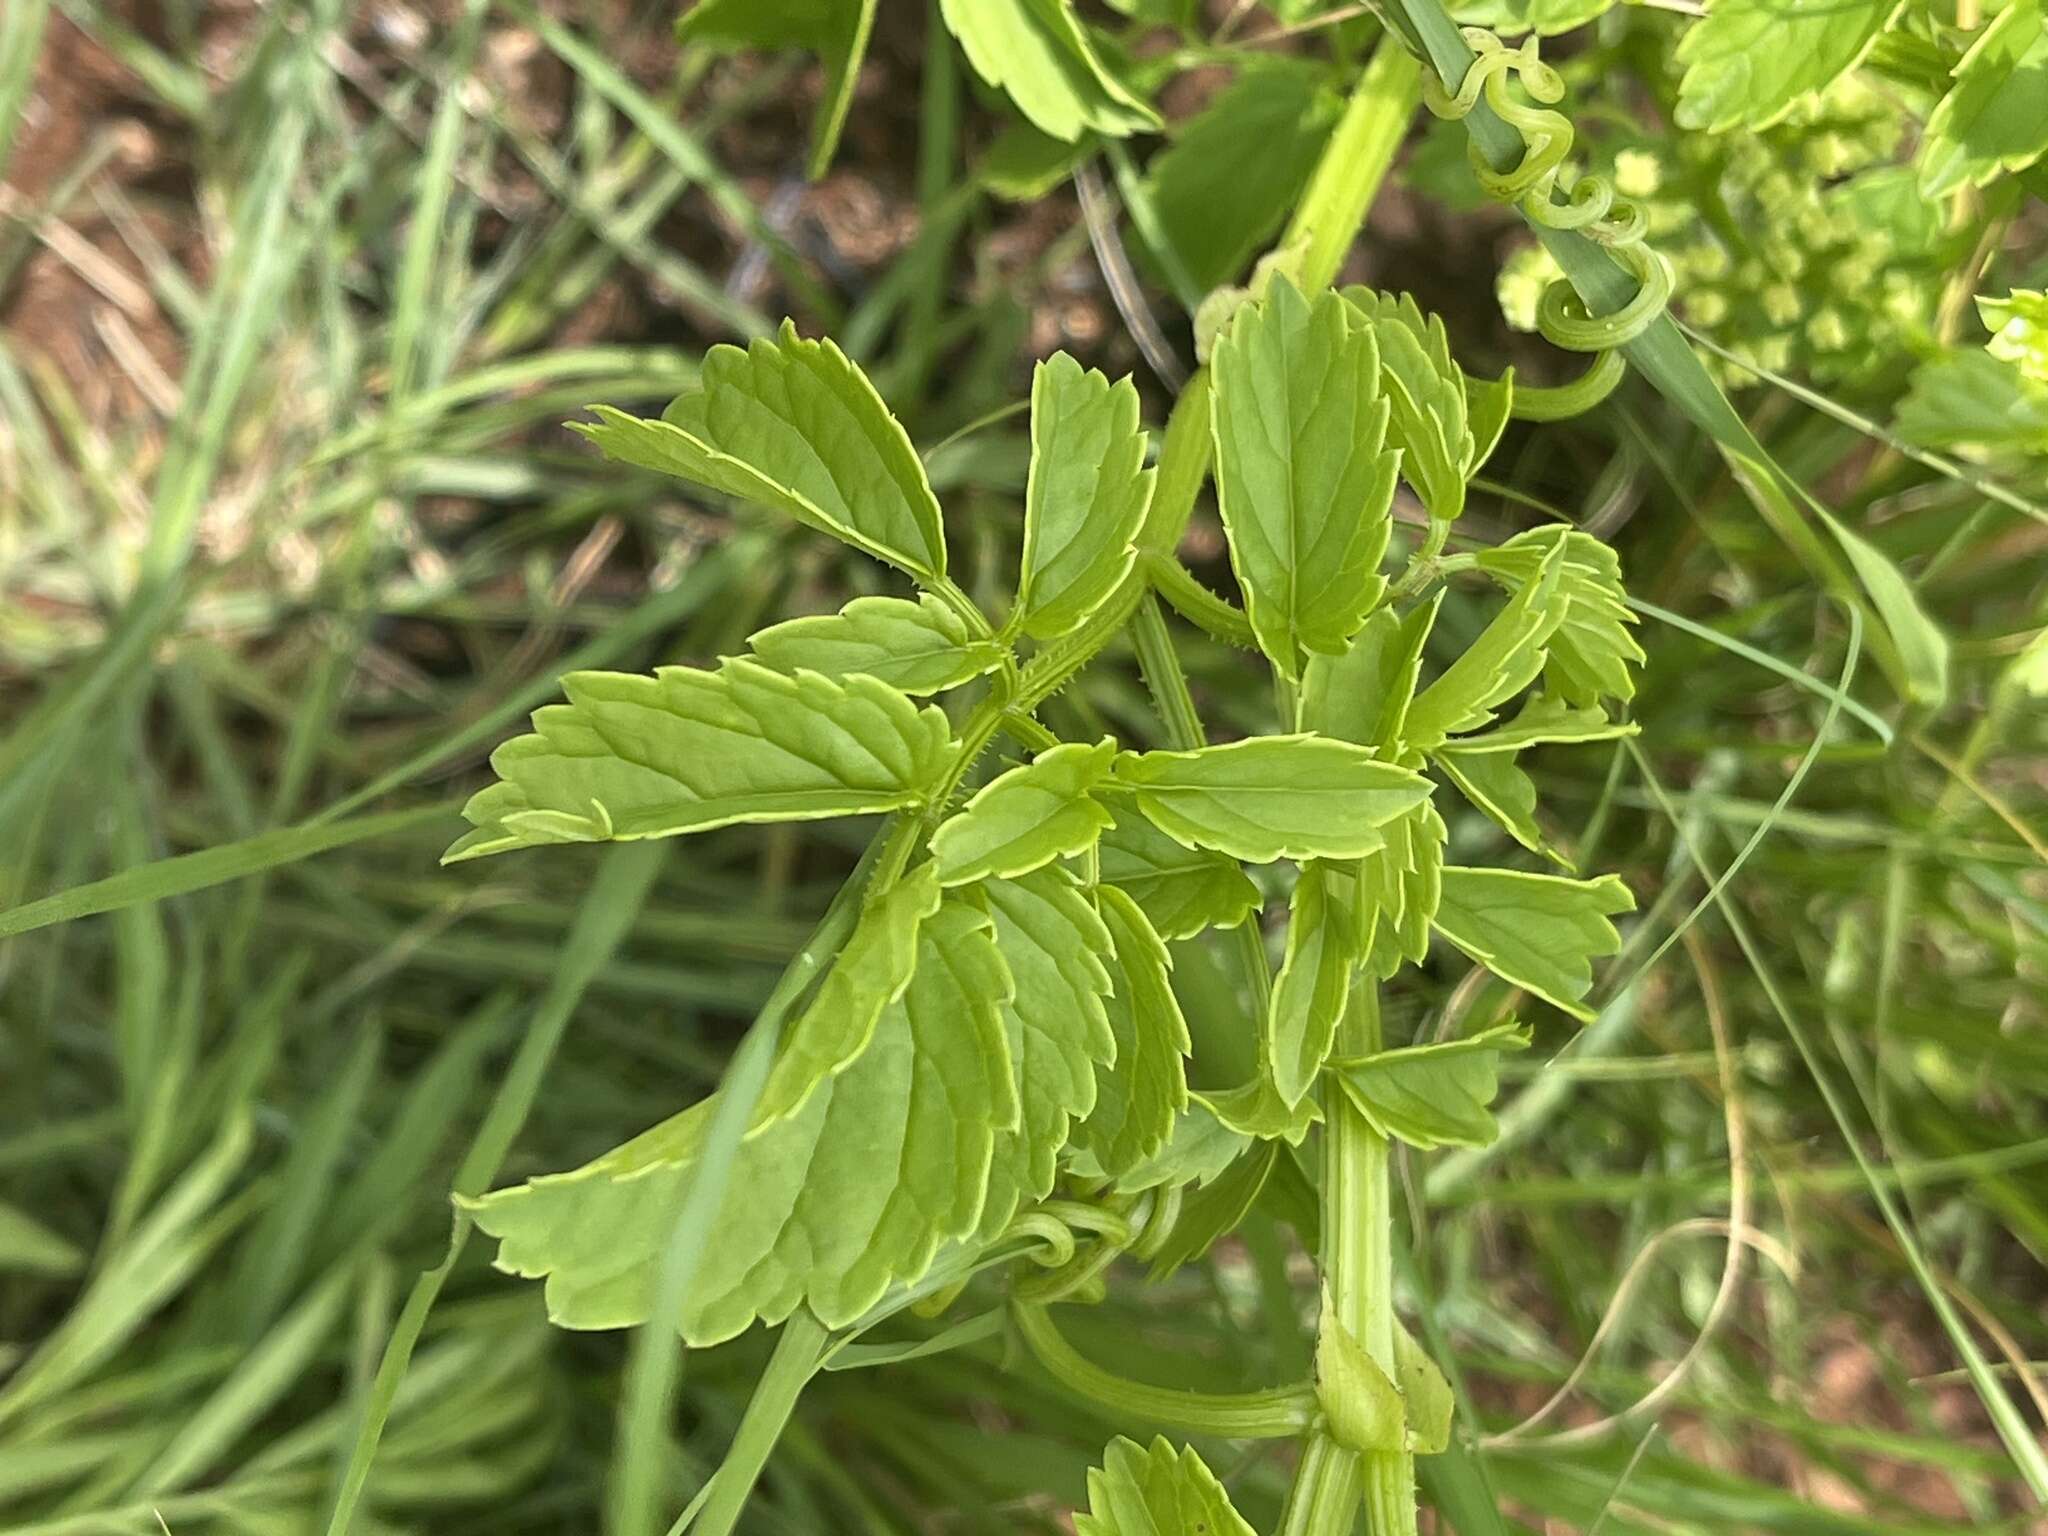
<point x="1591" y="653"/>
<point x="1236" y="168"/>
<point x="1426" y="390"/>
<point x="1750" y="61"/>
<point x="920" y="647"/>
<point x="1432" y="1095"/>
<point x="1362" y="695"/>
<point x="1489" y="406"/>
<point x="1304" y="485"/>
<point x="1038" y="52"/>
<point x="870" y="973"/>
<point x="1085" y="497"/>
<point x="1547" y="719"/>
<point x="794" y="425"/>
<point x="685" y="750"/>
<point x="858" y="1190"/>
<point x="1136" y="1104"/>
<point x="836" y="30"/>
<point x="1494" y="783"/>
<point x="1059" y="954"/>
<point x="1399" y="888"/>
<point x="1539" y="932"/>
<point x="1272" y="797"/>
<point x="1314" y="981"/>
<point x="1024" y="819"/>
<point x="1991" y="120"/>
<point x="1923" y="648"/>
<point x="1156" y="1492"/>
<point x="2018" y="322"/>
<point x="1181" y="890"/>
<point x="1504" y="660"/>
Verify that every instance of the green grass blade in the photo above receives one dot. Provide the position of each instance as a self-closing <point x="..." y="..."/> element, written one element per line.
<point x="2013" y="1430"/>
<point x="188" y="872"/>
<point x="615" y="898"/>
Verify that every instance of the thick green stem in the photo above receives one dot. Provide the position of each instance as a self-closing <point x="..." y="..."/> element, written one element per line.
<point x="1272" y="1414"/>
<point x="1358" y="1280"/>
<point x="1361" y="152"/>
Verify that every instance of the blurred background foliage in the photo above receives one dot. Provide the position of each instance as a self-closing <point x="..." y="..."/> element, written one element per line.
<point x="296" y="297"/>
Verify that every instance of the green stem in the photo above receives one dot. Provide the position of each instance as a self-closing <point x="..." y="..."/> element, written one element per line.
<point x="1275" y="1413"/>
<point x="1325" y="1494"/>
<point x="1168" y="683"/>
<point x="799" y="1351"/>
<point x="1358" y="1279"/>
<point x="1347" y="178"/>
<point x="1215" y="616"/>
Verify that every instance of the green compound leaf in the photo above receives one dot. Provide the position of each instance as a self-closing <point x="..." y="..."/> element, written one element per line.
<point x="1181" y="890"/>
<point x="1136" y="1105"/>
<point x="1314" y="981"/>
<point x="1750" y="61"/>
<point x="1362" y="695"/>
<point x="1305" y="487"/>
<point x="870" y="973"/>
<point x="1156" y="1492"/>
<point x="1426" y="390"/>
<point x="1433" y="1095"/>
<point x="686" y="750"/>
<point x="1547" y="719"/>
<point x="1973" y="400"/>
<point x="856" y="1191"/>
<point x="1497" y="786"/>
<point x="1024" y="819"/>
<point x="1235" y="169"/>
<point x="1039" y="54"/>
<point x="1399" y="888"/>
<point x="1059" y="955"/>
<point x="1540" y="932"/>
<point x="836" y="30"/>
<point x="1592" y="653"/>
<point x="1272" y="797"/>
<point x="1086" y="495"/>
<point x="920" y="647"/>
<point x="1504" y="660"/>
<point x="793" y="424"/>
<point x="1992" y="119"/>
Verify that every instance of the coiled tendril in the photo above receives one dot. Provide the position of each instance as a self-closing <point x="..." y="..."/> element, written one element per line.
<point x="1587" y="206"/>
<point x="1136" y="1224"/>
